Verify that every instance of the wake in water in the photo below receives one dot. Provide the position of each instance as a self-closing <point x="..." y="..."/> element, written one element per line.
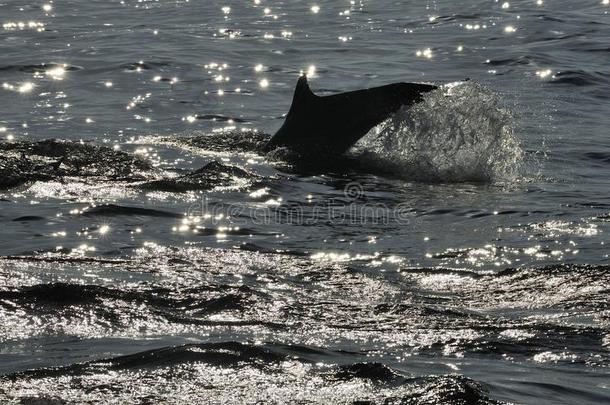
<point x="459" y="133"/>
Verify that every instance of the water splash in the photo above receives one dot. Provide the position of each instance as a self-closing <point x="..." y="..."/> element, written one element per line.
<point x="459" y="133"/>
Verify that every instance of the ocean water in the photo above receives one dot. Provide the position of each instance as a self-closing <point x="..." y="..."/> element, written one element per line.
<point x="151" y="253"/>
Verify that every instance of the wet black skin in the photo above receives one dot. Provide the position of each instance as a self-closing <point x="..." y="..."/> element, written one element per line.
<point x="330" y="125"/>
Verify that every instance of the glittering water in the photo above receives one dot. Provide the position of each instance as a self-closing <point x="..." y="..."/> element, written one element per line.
<point x="152" y="253"/>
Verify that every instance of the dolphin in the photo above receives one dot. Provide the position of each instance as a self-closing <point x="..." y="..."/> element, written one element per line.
<point x="330" y="125"/>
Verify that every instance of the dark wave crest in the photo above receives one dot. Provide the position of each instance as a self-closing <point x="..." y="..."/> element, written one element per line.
<point x="259" y="368"/>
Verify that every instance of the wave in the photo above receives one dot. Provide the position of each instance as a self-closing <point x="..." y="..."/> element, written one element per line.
<point x="460" y="133"/>
<point x="579" y="78"/>
<point x="220" y="141"/>
<point x="112" y="210"/>
<point x="24" y="161"/>
<point x="521" y="60"/>
<point x="144" y="65"/>
<point x="29" y="218"/>
<point x="213" y="174"/>
<point x="66" y="294"/>
<point x="235" y="372"/>
<point x="56" y="160"/>
<point x="193" y="288"/>
<point x="598" y="156"/>
<point x="220" y="118"/>
<point x="40" y="68"/>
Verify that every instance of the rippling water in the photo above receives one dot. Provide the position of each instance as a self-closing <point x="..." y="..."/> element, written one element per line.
<point x="152" y="253"/>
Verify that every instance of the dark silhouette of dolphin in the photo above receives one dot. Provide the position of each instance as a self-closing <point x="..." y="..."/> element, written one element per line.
<point x="330" y="125"/>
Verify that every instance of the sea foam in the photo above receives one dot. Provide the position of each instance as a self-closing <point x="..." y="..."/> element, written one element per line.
<point x="459" y="133"/>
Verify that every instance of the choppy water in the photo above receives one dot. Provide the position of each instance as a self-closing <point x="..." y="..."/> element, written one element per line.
<point x="151" y="253"/>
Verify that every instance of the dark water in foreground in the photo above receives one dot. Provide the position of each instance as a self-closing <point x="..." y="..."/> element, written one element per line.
<point x="152" y="254"/>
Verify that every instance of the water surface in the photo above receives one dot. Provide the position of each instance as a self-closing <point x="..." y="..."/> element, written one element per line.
<point x="152" y="253"/>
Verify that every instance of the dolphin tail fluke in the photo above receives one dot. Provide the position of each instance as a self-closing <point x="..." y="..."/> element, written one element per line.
<point x="302" y="93"/>
<point x="301" y="100"/>
<point x="330" y="125"/>
<point x="302" y="87"/>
